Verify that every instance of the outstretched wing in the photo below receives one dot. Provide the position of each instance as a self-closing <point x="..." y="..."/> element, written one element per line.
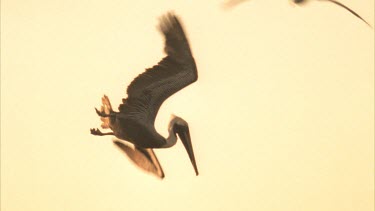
<point x="175" y="71"/>
<point x="350" y="10"/>
<point x="145" y="159"/>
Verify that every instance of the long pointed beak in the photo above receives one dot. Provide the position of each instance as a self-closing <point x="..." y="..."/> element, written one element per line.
<point x="185" y="138"/>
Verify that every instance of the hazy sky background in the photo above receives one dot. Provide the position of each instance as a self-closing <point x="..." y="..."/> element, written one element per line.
<point x="281" y="117"/>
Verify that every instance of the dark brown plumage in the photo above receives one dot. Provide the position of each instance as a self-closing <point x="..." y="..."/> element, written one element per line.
<point x="135" y="120"/>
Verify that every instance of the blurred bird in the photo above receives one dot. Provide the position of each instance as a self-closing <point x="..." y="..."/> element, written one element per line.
<point x="232" y="3"/>
<point x="136" y="117"/>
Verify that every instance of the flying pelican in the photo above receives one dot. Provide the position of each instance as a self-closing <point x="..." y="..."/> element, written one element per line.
<point x="136" y="117"/>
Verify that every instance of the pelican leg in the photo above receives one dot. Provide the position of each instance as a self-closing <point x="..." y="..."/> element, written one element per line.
<point x="97" y="132"/>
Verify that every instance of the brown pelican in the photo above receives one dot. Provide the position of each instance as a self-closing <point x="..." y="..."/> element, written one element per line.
<point x="134" y="122"/>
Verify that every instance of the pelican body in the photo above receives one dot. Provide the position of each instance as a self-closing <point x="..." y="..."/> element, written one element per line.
<point x="134" y="122"/>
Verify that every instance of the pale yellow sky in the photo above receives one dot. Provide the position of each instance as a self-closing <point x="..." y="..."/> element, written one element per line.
<point x="281" y="117"/>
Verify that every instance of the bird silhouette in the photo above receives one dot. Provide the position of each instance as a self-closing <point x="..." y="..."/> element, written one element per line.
<point x="134" y="122"/>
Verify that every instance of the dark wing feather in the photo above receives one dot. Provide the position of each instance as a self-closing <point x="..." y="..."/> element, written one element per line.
<point x="145" y="159"/>
<point x="150" y="89"/>
<point x="350" y="10"/>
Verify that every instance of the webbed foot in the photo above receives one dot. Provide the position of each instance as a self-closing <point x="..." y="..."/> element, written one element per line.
<point x="97" y="132"/>
<point x="102" y="113"/>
